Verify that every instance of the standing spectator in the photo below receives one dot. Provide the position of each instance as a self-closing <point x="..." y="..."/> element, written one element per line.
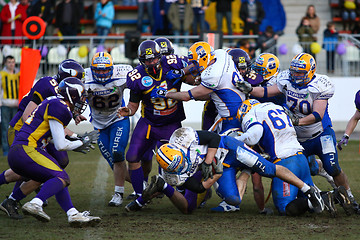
<point x="199" y="15"/>
<point x="142" y="4"/>
<point x="223" y="9"/>
<point x="12" y="17"/>
<point x="9" y="97"/>
<point x="164" y="8"/>
<point x="305" y="34"/>
<point x="181" y="17"/>
<point x="104" y="15"/>
<point x="348" y="13"/>
<point x="252" y="13"/>
<point x="330" y="42"/>
<point x="67" y="19"/>
<point x="43" y="9"/>
<point x="127" y="2"/>
<point x="313" y="18"/>
<point x="267" y="40"/>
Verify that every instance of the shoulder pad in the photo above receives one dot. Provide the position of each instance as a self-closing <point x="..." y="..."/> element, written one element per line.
<point x="322" y="85"/>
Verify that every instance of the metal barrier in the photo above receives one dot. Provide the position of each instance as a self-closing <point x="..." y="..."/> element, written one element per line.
<point x="58" y="49"/>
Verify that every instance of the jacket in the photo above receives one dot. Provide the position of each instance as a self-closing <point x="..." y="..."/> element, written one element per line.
<point x="108" y="10"/>
<point x="174" y="18"/>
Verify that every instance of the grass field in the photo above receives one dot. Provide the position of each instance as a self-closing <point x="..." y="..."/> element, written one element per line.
<point x="92" y="185"/>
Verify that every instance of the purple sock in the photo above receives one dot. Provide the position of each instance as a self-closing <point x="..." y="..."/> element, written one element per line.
<point x="137" y="179"/>
<point x="169" y="191"/>
<point x="17" y="185"/>
<point x="17" y="194"/>
<point x="2" y="178"/>
<point x="64" y="200"/>
<point x="50" y="188"/>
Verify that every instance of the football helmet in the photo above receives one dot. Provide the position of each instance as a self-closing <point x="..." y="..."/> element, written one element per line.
<point x="148" y="51"/>
<point x="200" y="54"/>
<point x="245" y="108"/>
<point x="102" y="67"/>
<point x="267" y="65"/>
<point x="172" y="159"/>
<point x="69" y="68"/>
<point x="166" y="47"/>
<point x="241" y="60"/>
<point x="73" y="91"/>
<point x="302" y="69"/>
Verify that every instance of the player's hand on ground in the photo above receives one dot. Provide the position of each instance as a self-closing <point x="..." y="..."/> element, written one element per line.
<point x="344" y="141"/>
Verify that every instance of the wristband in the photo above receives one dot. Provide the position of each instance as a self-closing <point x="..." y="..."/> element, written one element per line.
<point x="265" y="92"/>
<point x="191" y="96"/>
<point x="74" y="135"/>
<point x="346" y="136"/>
<point x="317" y="116"/>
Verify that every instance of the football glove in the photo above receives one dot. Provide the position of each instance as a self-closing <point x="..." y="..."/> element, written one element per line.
<point x="85" y="148"/>
<point x="174" y="75"/>
<point x="158" y="92"/>
<point x="294" y="119"/>
<point x="344" y="141"/>
<point x="206" y="170"/>
<point x="93" y="135"/>
<point x="244" y="86"/>
<point x="217" y="166"/>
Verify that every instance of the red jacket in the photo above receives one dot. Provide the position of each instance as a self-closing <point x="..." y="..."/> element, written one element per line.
<point x="5" y="15"/>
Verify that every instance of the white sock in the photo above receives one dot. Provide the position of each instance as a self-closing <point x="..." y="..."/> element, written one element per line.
<point x="165" y="186"/>
<point x="349" y="193"/>
<point x="119" y="189"/>
<point x="71" y="211"/>
<point x="305" y="188"/>
<point x="11" y="197"/>
<point x="37" y="201"/>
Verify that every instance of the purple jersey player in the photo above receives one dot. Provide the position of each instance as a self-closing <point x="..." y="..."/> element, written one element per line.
<point x="43" y="88"/>
<point x="28" y="157"/>
<point x="159" y="117"/>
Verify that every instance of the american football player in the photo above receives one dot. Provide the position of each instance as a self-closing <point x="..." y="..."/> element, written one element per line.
<point x="307" y="94"/>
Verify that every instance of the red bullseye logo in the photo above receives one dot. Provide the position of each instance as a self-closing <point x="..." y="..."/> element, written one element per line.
<point x="34" y="27"/>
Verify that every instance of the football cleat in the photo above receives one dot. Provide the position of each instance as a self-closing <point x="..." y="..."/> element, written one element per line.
<point x="156" y="185"/>
<point x="132" y="196"/>
<point x="10" y="207"/>
<point x="36" y="211"/>
<point x="82" y="219"/>
<point x="355" y="205"/>
<point x="133" y="206"/>
<point x="224" y="207"/>
<point x="329" y="203"/>
<point x="116" y="200"/>
<point x="315" y="199"/>
<point x="342" y="197"/>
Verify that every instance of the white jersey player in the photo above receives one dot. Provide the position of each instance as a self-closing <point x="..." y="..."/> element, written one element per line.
<point x="105" y="84"/>
<point x="307" y="96"/>
<point x="218" y="77"/>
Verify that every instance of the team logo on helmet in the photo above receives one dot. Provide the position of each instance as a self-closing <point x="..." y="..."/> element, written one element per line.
<point x="149" y="53"/>
<point x="200" y="51"/>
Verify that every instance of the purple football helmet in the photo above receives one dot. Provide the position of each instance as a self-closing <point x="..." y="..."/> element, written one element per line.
<point x="69" y="68"/>
<point x="357" y="100"/>
<point x="241" y="60"/>
<point x="73" y="90"/>
<point x="148" y="51"/>
<point x="166" y="47"/>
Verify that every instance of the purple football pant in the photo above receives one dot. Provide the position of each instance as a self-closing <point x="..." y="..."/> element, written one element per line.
<point x="35" y="163"/>
<point x="146" y="136"/>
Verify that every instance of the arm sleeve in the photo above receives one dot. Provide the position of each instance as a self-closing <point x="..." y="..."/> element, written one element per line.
<point x="212" y="140"/>
<point x="194" y="185"/>
<point x="58" y="134"/>
<point x="252" y="135"/>
<point x="134" y="97"/>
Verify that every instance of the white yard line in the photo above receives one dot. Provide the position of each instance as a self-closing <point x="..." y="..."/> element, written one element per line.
<point x="98" y="195"/>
